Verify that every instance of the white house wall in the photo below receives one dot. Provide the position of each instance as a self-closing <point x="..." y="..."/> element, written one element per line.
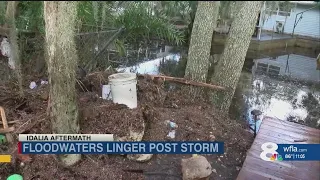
<point x="309" y="25"/>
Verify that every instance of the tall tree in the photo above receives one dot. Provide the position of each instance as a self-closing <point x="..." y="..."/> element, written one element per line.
<point x="228" y="69"/>
<point x="14" y="56"/>
<point x="60" y="19"/>
<point x="200" y="44"/>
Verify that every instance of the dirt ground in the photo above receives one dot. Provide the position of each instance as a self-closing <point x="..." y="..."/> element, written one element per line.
<point x="196" y="121"/>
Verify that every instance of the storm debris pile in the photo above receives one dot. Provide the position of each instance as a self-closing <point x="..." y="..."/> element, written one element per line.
<point x="148" y="122"/>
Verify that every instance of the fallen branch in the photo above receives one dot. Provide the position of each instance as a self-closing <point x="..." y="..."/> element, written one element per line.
<point x="183" y="81"/>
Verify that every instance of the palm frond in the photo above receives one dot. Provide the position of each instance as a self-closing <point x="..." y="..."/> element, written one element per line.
<point x="142" y="25"/>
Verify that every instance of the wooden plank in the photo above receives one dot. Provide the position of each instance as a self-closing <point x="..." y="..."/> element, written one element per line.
<point x="280" y="129"/>
<point x="269" y="172"/>
<point x="259" y="175"/>
<point x="256" y="150"/>
<point x="289" y="124"/>
<point x="246" y="174"/>
<point x="288" y="139"/>
<point x="257" y="145"/>
<point x="297" y="129"/>
<point x="264" y="138"/>
<point x="279" y="169"/>
<point x="256" y="155"/>
<point x="308" y="166"/>
<point x="285" y="135"/>
<point x="280" y="132"/>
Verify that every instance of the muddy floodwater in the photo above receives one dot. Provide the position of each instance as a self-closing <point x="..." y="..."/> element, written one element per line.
<point x="283" y="84"/>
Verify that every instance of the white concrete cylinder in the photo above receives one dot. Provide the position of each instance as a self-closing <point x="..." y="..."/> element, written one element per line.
<point x="124" y="89"/>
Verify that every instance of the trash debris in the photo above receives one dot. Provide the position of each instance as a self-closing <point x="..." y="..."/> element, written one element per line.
<point x="24" y="158"/>
<point x="11" y="63"/>
<point x="153" y="109"/>
<point x="171" y="124"/>
<point x="172" y="134"/>
<point x="32" y="85"/>
<point x="2" y="139"/>
<point x="214" y="170"/>
<point x="212" y="137"/>
<point x="6" y="51"/>
<point x="106" y="92"/>
<point x="195" y="168"/>
<point x="44" y="82"/>
<point x="140" y="157"/>
<point x="15" y="177"/>
<point x="5" y="47"/>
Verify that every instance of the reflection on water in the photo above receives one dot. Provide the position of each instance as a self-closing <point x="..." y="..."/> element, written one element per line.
<point x="151" y="66"/>
<point x="283" y="86"/>
<point x="293" y="66"/>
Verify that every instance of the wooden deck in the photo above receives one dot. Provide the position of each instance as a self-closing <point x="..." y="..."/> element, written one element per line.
<point x="280" y="132"/>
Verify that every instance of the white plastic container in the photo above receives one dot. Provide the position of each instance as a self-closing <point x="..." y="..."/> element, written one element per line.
<point x="124" y="89"/>
<point x="106" y="92"/>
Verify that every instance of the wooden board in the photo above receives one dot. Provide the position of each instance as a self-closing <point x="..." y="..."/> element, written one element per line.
<point x="280" y="132"/>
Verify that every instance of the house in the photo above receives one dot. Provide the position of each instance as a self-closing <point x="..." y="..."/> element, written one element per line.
<point x="303" y="20"/>
<point x="292" y="65"/>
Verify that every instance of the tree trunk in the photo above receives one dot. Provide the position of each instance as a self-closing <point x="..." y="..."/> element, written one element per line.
<point x="60" y="19"/>
<point x="200" y="43"/>
<point x="13" y="38"/>
<point x="229" y="67"/>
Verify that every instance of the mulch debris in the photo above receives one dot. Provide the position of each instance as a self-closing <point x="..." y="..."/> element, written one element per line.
<point x="196" y="120"/>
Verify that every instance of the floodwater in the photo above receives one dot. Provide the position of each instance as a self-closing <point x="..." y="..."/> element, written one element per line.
<point x="283" y="84"/>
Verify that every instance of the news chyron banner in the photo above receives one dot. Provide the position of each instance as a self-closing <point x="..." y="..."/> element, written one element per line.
<point x="105" y="144"/>
<point x="290" y="152"/>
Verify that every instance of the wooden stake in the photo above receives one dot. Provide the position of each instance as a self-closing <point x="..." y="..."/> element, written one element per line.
<point x="5" y="125"/>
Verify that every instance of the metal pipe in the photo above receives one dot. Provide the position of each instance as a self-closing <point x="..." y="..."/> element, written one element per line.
<point x="300" y="13"/>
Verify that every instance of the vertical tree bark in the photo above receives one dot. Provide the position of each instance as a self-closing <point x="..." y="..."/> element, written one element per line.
<point x="200" y="43"/>
<point x="13" y="38"/>
<point x="228" y="69"/>
<point x="60" y="19"/>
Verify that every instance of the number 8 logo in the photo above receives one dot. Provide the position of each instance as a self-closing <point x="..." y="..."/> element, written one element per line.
<point x="268" y="148"/>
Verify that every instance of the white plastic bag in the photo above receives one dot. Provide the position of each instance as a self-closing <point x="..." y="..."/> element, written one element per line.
<point x="106" y="92"/>
<point x="32" y="85"/>
<point x="5" y="47"/>
<point x="11" y="63"/>
<point x="6" y="51"/>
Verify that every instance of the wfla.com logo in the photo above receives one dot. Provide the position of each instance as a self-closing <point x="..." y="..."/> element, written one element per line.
<point x="269" y="152"/>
